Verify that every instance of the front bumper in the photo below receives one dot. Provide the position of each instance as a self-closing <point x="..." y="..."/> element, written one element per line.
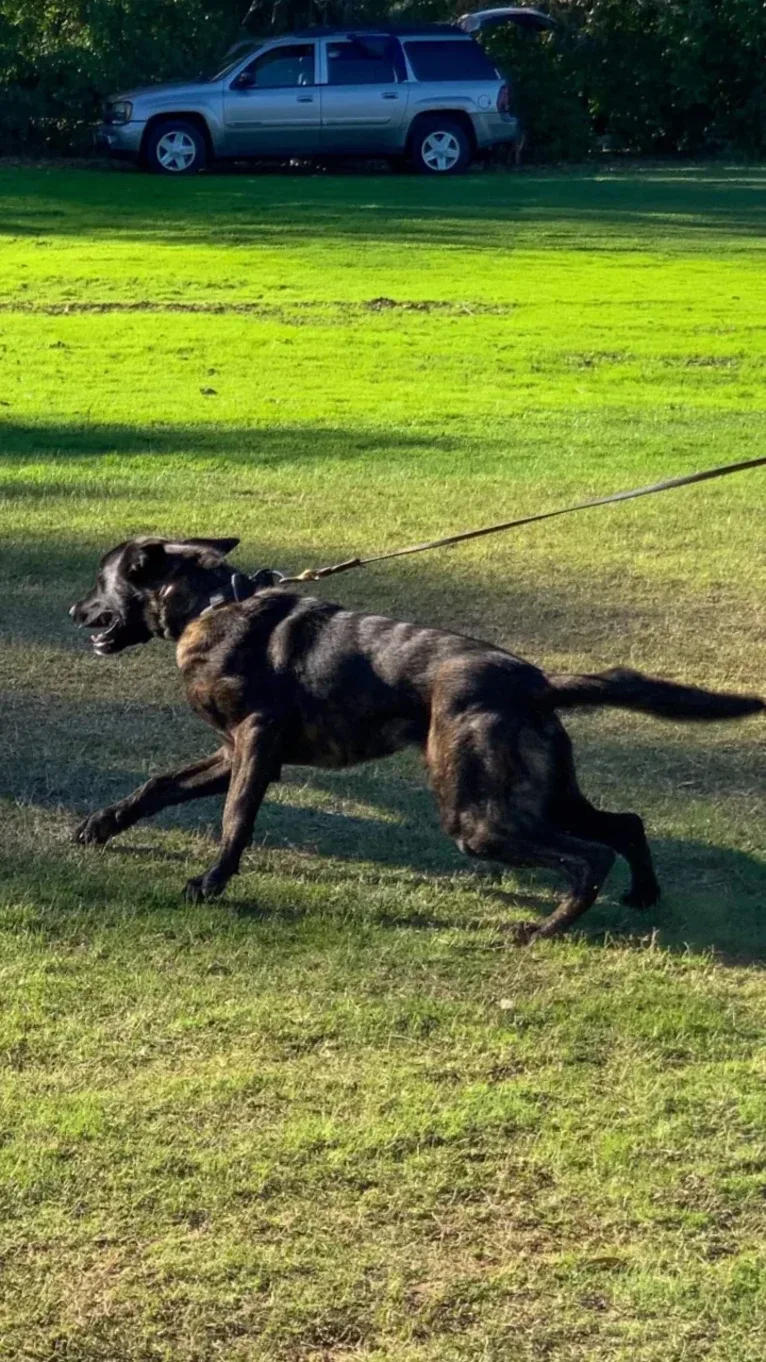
<point x="122" y="140"/>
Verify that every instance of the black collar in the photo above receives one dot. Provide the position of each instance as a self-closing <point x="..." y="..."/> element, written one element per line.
<point x="240" y="587"/>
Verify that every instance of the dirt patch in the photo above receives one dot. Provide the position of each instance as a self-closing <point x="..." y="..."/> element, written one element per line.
<point x="296" y="314"/>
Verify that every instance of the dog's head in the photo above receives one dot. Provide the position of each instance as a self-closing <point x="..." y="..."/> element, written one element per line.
<point x="149" y="588"/>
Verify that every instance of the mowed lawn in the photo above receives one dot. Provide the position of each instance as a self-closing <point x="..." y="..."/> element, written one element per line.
<point x="339" y="1116"/>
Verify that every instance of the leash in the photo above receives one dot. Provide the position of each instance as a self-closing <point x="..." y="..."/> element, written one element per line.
<point x="317" y="574"/>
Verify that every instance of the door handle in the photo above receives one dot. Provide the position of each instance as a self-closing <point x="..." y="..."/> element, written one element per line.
<point x="389" y="94"/>
<point x="305" y="99"/>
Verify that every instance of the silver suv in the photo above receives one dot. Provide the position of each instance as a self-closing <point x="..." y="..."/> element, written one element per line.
<point x="430" y="94"/>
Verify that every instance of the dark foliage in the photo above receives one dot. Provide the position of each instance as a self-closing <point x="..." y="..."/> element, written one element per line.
<point x="649" y="76"/>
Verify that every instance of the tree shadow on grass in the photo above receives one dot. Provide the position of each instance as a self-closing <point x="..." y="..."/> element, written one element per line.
<point x="93" y="742"/>
<point x="382" y="819"/>
<point x="714" y="897"/>
<point x="478" y="213"/>
<point x="259" y="446"/>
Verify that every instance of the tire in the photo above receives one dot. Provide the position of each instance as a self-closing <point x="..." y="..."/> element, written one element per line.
<point x="440" y="146"/>
<point x="175" y="147"/>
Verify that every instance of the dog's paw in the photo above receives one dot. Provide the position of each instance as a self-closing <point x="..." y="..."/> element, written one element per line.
<point x="201" y="887"/>
<point x="97" y="829"/>
<point x="193" y="891"/>
<point x="523" y="933"/>
<point x="642" y="896"/>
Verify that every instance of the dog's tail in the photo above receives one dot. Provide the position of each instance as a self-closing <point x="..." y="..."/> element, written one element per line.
<point x="623" y="689"/>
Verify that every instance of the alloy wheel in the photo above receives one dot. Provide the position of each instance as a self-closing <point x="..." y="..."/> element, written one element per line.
<point x="176" y="151"/>
<point x="440" y="151"/>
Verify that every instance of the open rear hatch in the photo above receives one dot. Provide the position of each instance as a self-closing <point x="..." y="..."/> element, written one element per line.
<point x="532" y="19"/>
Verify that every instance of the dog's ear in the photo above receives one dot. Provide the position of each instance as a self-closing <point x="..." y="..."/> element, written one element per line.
<point x="144" y="561"/>
<point x="220" y="546"/>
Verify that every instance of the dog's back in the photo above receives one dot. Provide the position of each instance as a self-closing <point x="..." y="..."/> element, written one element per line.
<point x="351" y="686"/>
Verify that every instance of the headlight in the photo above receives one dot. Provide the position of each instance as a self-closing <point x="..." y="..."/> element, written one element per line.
<point x="121" y="111"/>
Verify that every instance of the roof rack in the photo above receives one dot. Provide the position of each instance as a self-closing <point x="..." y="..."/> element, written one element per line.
<point x="393" y="30"/>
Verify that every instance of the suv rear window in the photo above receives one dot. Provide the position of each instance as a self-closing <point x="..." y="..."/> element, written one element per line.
<point x="450" y="60"/>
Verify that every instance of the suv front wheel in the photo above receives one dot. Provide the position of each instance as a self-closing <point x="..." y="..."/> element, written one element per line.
<point x="440" y="146"/>
<point x="175" y="147"/>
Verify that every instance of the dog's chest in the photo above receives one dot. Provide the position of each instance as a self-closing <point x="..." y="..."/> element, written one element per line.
<point x="214" y="691"/>
<point x="195" y="643"/>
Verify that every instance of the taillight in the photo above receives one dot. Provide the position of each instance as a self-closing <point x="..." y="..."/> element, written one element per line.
<point x="504" y="99"/>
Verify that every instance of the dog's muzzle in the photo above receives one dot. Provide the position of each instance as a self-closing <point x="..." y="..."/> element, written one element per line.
<point x="106" y="626"/>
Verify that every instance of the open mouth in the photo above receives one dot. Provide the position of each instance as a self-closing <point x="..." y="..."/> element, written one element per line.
<point x="105" y="641"/>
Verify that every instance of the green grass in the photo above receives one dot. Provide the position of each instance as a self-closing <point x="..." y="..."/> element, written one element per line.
<point x="338" y="1117"/>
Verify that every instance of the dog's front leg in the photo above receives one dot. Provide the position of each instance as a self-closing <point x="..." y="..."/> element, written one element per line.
<point x="207" y="777"/>
<point x="255" y="763"/>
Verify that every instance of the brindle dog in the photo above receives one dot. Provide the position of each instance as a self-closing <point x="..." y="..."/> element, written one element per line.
<point x="286" y="679"/>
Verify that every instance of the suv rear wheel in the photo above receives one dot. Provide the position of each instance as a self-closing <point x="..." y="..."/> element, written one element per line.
<point x="176" y="147"/>
<point x="440" y="146"/>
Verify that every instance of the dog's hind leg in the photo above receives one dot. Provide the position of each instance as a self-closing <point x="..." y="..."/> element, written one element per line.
<point x="624" y="832"/>
<point x="207" y="777"/>
<point x="569" y="811"/>
<point x="585" y="865"/>
<point x="255" y="763"/>
<point x="493" y="774"/>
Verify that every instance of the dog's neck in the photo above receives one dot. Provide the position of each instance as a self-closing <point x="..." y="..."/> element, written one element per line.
<point x="178" y="603"/>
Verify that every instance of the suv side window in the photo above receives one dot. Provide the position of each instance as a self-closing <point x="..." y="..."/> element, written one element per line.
<point x="282" y="66"/>
<point x="449" y="60"/>
<point x="362" y="61"/>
